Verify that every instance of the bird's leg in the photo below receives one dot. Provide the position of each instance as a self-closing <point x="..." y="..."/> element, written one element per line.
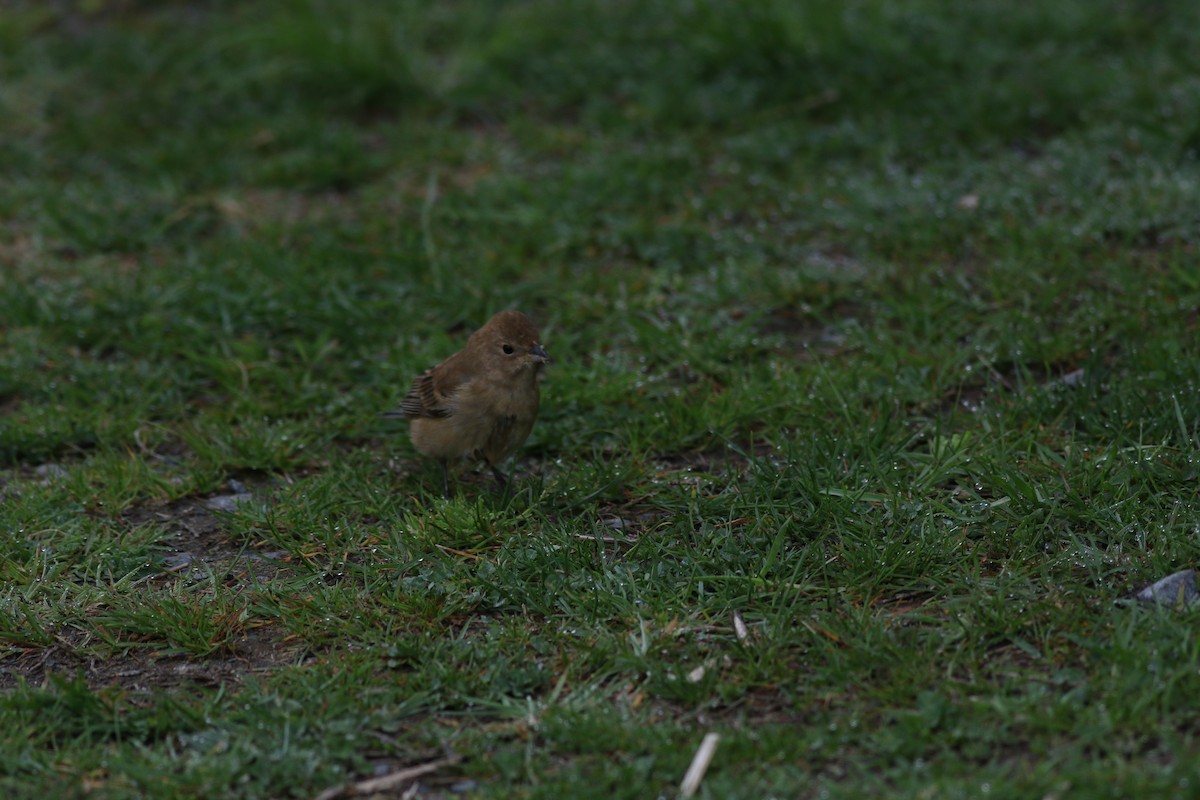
<point x="445" y="479"/>
<point x="501" y="478"/>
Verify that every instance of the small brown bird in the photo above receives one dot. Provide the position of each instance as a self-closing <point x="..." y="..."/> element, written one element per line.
<point x="480" y="403"/>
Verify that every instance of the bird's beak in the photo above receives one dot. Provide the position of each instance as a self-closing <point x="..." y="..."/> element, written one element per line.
<point x="539" y="354"/>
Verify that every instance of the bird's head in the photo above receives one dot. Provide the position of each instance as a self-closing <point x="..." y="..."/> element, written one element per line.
<point x="511" y="341"/>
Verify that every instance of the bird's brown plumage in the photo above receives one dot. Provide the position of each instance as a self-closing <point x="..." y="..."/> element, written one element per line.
<point x="481" y="402"/>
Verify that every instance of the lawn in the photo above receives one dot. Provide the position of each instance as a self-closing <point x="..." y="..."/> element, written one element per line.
<point x="875" y="397"/>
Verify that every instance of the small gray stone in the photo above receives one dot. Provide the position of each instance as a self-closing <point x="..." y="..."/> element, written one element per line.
<point x="228" y="502"/>
<point x="49" y="471"/>
<point x="1178" y="589"/>
<point x="1073" y="378"/>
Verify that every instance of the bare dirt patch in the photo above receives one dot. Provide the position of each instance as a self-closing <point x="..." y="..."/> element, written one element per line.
<point x="807" y="333"/>
<point x="142" y="671"/>
<point x="199" y="542"/>
<point x="199" y="547"/>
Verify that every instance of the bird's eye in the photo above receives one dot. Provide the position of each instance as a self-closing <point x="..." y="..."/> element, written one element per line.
<point x="508" y="349"/>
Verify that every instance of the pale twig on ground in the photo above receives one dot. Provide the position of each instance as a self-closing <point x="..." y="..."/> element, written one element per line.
<point x="387" y="782"/>
<point x="700" y="762"/>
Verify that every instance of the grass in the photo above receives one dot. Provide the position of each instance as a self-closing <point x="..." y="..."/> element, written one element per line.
<point x="874" y="327"/>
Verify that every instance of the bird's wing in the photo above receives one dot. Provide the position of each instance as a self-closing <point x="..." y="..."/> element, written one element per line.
<point x="432" y="391"/>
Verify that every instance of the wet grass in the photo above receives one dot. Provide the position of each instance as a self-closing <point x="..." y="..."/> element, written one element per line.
<point x="874" y="396"/>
